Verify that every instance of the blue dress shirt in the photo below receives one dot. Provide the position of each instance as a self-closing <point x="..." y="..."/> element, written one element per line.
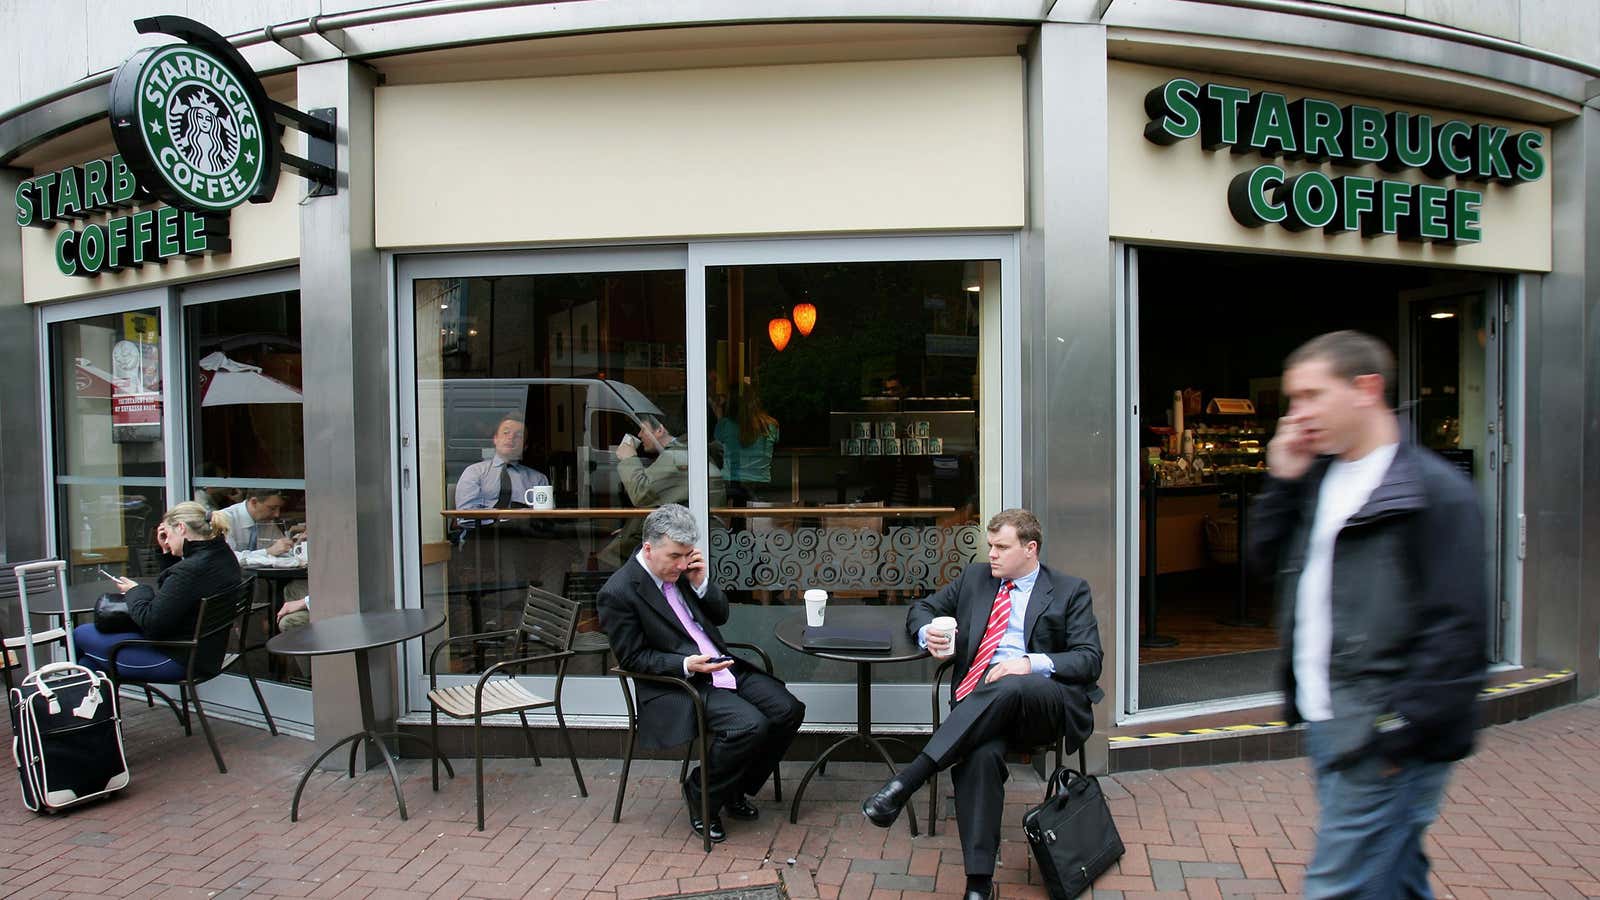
<point x="1012" y="643"/>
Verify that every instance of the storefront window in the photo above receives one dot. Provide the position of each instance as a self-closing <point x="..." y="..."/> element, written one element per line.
<point x="109" y="442"/>
<point x="247" y="446"/>
<point x="531" y="393"/>
<point x="845" y="416"/>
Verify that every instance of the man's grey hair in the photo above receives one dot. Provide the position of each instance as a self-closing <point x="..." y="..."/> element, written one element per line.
<point x="672" y="522"/>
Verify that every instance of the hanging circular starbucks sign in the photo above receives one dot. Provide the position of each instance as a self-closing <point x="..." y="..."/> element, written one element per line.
<point x="188" y="127"/>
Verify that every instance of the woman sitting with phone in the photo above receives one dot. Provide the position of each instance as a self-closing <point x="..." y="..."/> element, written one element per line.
<point x="196" y="563"/>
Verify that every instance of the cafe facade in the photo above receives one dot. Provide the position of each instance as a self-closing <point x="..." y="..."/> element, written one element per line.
<point x="878" y="270"/>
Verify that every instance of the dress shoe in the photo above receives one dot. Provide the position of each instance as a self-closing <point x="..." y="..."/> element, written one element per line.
<point x="717" y="834"/>
<point x="741" y="808"/>
<point x="992" y="894"/>
<point x="883" y="807"/>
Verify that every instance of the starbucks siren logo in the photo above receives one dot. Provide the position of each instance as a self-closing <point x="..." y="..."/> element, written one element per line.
<point x="202" y="132"/>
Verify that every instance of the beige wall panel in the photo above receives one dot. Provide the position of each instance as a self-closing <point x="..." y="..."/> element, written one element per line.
<point x="263" y="235"/>
<point x="1492" y="17"/>
<point x="925" y="144"/>
<point x="1179" y="194"/>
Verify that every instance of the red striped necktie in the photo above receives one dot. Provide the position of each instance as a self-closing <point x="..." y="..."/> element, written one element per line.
<point x="999" y="618"/>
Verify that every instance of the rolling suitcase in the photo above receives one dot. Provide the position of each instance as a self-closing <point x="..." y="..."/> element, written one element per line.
<point x="66" y="732"/>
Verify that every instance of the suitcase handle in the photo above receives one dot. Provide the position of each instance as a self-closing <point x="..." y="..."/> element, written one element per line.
<point x="38" y="675"/>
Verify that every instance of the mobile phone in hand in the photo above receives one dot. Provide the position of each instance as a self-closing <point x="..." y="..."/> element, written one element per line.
<point x="108" y="575"/>
<point x="719" y="659"/>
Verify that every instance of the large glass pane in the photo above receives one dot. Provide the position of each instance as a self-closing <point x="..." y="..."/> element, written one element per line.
<point x="527" y="387"/>
<point x="247" y="449"/>
<point x="846" y="417"/>
<point x="107" y="394"/>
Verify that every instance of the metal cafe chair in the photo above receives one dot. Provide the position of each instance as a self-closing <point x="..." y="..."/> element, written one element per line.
<point x="41" y="583"/>
<point x="217" y="616"/>
<point x="1060" y="749"/>
<point x="699" y="744"/>
<point x="549" y="621"/>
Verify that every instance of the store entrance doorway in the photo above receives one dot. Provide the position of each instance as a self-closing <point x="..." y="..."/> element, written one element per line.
<point x="1211" y="333"/>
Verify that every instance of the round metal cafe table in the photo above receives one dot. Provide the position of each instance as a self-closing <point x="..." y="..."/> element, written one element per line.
<point x="902" y="648"/>
<point x="360" y="633"/>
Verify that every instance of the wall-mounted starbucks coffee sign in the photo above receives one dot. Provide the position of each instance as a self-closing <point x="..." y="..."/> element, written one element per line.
<point x="197" y="128"/>
<point x="1317" y="131"/>
<point x="191" y="128"/>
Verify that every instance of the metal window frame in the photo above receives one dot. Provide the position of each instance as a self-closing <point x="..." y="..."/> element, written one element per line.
<point x="830" y="704"/>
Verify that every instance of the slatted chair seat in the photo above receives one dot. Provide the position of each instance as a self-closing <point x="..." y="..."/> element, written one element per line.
<point x="549" y="624"/>
<point x="499" y="696"/>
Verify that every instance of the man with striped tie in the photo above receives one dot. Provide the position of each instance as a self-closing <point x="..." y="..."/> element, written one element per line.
<point x="1027" y="654"/>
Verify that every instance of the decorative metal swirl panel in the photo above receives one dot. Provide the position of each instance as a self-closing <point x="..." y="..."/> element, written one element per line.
<point x="906" y="557"/>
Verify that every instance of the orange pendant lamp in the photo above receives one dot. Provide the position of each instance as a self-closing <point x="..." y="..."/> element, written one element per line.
<point x="779" y="330"/>
<point x="805" y="318"/>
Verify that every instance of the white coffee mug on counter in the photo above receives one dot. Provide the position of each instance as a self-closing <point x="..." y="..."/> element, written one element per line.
<point x="540" y="496"/>
<point x="299" y="552"/>
<point x="945" y="625"/>
<point x="816" y="607"/>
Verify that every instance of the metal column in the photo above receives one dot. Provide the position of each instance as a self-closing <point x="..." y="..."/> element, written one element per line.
<point x="349" y="446"/>
<point x="1070" y="414"/>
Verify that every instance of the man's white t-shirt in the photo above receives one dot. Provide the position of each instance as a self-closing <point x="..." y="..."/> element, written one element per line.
<point x="1345" y="489"/>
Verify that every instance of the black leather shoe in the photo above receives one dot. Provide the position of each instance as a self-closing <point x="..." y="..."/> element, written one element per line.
<point x="693" y="802"/>
<point x="740" y="808"/>
<point x="883" y="807"/>
<point x="992" y="894"/>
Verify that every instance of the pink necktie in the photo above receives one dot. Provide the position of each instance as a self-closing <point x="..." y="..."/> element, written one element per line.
<point x="721" y="679"/>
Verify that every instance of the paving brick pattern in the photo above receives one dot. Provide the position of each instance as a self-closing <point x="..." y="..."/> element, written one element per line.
<point x="1522" y="819"/>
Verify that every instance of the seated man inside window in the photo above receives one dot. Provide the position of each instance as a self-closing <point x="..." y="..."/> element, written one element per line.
<point x="259" y="507"/>
<point x="500" y="481"/>
<point x="497" y="553"/>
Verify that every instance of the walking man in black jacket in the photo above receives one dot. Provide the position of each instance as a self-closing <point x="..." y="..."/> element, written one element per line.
<point x="1378" y="546"/>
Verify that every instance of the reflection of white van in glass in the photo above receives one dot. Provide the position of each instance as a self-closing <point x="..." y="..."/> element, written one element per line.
<point x="573" y="427"/>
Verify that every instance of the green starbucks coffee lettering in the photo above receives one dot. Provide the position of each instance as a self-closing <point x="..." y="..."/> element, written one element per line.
<point x="1317" y="131"/>
<point x="153" y="234"/>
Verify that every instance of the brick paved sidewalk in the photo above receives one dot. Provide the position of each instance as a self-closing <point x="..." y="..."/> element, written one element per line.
<point x="1522" y="820"/>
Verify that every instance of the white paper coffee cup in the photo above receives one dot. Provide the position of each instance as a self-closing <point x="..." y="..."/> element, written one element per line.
<point x="945" y="625"/>
<point x="816" y="606"/>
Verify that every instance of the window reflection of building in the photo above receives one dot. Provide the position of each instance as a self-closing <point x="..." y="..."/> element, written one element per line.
<point x="584" y="359"/>
<point x="109" y="443"/>
<point x="246" y="433"/>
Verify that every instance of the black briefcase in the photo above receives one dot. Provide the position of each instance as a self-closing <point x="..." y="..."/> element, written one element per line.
<point x="1071" y="833"/>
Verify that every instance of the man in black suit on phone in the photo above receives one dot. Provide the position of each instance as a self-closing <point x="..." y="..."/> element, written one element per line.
<point x="1027" y="654"/>
<point x="662" y="613"/>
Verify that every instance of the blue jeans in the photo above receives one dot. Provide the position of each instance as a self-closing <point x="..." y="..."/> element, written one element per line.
<point x="1369" y="837"/>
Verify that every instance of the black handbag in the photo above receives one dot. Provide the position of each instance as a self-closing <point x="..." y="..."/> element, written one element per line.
<point x="111" y="614"/>
<point x="1071" y="834"/>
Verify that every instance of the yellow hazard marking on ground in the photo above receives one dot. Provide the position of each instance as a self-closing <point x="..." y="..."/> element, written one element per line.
<point x="1559" y="675"/>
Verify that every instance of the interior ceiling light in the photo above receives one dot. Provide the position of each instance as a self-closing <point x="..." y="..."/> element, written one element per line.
<point x="1444" y="314"/>
<point x="805" y="318"/>
<point x="779" y="330"/>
